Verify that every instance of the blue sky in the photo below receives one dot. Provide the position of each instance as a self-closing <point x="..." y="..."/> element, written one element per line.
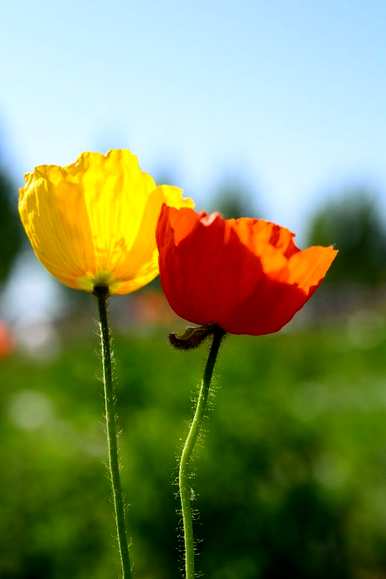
<point x="289" y="94"/>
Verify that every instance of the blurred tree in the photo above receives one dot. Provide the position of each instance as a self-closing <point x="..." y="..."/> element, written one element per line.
<point x="354" y="225"/>
<point x="234" y="199"/>
<point x="10" y="228"/>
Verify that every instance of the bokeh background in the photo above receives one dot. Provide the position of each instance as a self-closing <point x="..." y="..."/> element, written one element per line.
<point x="272" y="109"/>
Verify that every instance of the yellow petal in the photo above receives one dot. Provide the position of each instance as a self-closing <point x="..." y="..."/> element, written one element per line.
<point x="93" y="222"/>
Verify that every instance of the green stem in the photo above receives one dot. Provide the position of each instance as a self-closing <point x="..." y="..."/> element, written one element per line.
<point x="111" y="430"/>
<point x="186" y="455"/>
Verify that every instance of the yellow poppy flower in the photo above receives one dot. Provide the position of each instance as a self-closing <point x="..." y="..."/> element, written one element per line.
<point x="92" y="223"/>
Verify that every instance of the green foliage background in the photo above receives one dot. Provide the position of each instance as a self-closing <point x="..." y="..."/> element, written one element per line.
<point x="10" y="227"/>
<point x="290" y="482"/>
<point x="354" y="222"/>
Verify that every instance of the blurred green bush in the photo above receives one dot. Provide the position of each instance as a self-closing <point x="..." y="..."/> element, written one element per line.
<point x="290" y="483"/>
<point x="352" y="221"/>
<point x="10" y="227"/>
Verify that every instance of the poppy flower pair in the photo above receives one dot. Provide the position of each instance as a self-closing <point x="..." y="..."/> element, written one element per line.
<point x="98" y="222"/>
<point x="103" y="226"/>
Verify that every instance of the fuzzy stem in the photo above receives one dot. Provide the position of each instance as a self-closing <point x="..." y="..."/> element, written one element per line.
<point x="186" y="455"/>
<point x="111" y="431"/>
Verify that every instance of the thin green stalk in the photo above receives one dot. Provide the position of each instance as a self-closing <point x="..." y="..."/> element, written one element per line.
<point x="186" y="455"/>
<point x="111" y="431"/>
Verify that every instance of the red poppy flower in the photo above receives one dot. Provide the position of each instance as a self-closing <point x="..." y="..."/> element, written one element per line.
<point x="245" y="275"/>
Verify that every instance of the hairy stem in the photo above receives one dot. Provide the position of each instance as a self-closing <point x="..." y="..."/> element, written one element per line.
<point x="111" y="431"/>
<point x="186" y="455"/>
